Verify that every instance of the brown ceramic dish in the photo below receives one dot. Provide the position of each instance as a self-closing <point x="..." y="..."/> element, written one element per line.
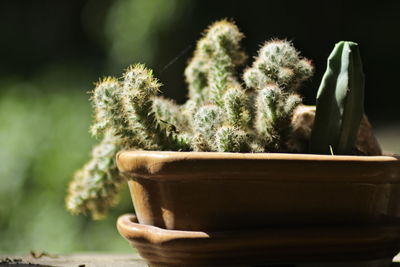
<point x="361" y="245"/>
<point x="209" y="191"/>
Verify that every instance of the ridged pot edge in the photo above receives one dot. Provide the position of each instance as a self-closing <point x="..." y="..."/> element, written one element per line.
<point x="175" y="165"/>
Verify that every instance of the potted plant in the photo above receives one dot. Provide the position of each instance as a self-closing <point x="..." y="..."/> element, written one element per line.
<point x="238" y="163"/>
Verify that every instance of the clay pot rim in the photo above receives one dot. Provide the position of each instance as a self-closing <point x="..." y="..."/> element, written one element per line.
<point x="168" y="165"/>
<point x="129" y="161"/>
<point x="191" y="155"/>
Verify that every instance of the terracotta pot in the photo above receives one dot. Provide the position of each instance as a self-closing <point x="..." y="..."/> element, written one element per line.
<point x="210" y="191"/>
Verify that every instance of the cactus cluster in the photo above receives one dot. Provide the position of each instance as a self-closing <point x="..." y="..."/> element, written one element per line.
<point x="225" y="111"/>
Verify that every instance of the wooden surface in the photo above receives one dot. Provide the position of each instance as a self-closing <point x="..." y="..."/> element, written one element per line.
<point x="125" y="260"/>
<point x="81" y="260"/>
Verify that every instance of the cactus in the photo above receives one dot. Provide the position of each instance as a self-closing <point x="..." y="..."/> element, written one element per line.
<point x="221" y="113"/>
<point x="170" y="114"/>
<point x="212" y="68"/>
<point x="340" y="101"/>
<point x="223" y="50"/>
<point x="96" y="186"/>
<point x="110" y="115"/>
<point x="278" y="62"/>
<point x="237" y="107"/>
<point x="276" y="74"/>
<point x="206" y="122"/>
<point x="231" y="139"/>
<point x="138" y="94"/>
<point x="274" y="114"/>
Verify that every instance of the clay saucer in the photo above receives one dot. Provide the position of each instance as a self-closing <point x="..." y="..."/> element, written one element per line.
<point x="273" y="245"/>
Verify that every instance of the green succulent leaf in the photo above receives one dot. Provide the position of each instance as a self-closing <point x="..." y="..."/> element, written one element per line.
<point x="340" y="102"/>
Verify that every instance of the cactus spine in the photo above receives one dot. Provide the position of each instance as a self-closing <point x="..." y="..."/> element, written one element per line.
<point x="340" y="102"/>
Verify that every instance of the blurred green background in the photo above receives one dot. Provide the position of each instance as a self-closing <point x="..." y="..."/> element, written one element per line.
<point x="53" y="51"/>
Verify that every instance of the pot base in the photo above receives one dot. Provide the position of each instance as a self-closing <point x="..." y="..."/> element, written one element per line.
<point x="373" y="245"/>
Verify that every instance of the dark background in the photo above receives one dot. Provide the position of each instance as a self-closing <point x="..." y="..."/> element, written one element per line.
<point x="36" y="34"/>
<point x="51" y="53"/>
